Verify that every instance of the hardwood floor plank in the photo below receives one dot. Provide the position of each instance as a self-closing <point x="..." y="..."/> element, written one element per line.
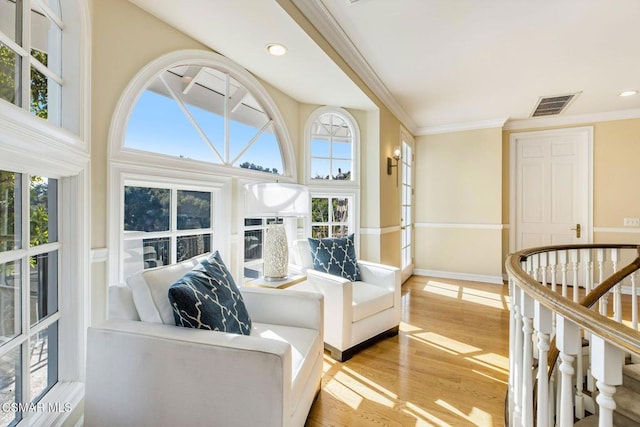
<point x="448" y="365"/>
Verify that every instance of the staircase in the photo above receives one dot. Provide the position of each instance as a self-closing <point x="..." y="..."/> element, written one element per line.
<point x="627" y="397"/>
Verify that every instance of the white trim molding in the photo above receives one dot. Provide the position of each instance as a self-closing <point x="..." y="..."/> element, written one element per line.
<point x="621" y="230"/>
<point x="461" y="225"/>
<point x="380" y="231"/>
<point x="576" y="119"/>
<point x="460" y="127"/>
<point x="321" y="18"/>
<point x="497" y="280"/>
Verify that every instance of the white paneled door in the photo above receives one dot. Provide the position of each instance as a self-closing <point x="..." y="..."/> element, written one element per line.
<point x="551" y="187"/>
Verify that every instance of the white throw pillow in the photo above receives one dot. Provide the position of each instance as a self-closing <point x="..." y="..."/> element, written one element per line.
<point x="150" y="290"/>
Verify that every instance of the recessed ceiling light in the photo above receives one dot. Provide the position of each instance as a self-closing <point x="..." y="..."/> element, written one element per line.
<point x="628" y="93"/>
<point x="276" y="49"/>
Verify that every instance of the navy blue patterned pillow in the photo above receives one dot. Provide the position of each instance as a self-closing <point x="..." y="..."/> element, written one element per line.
<point x="336" y="255"/>
<point x="208" y="298"/>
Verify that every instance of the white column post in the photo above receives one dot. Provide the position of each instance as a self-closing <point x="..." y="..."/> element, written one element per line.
<point x="542" y="323"/>
<point x="568" y="342"/>
<point x="517" y="358"/>
<point x="606" y="364"/>
<point x="528" y="313"/>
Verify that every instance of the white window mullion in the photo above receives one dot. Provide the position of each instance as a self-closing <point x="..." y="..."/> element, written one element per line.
<point x="173" y="245"/>
<point x="25" y="69"/>
<point x="50" y="14"/>
<point x="227" y="139"/>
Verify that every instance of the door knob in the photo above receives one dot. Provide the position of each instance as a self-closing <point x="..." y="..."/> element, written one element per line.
<point x="578" y="230"/>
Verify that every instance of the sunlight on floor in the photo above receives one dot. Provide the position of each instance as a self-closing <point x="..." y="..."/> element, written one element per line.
<point x="489" y="299"/>
<point x="475" y="415"/>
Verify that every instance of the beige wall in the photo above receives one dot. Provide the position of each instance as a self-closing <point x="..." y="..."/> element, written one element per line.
<point x="616" y="151"/>
<point x="125" y="39"/>
<point x="459" y="203"/>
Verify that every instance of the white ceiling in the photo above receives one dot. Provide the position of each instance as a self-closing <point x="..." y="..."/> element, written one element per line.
<point x="439" y="64"/>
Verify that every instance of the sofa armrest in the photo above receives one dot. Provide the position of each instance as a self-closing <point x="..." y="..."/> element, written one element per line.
<point x="284" y="307"/>
<point x="146" y="374"/>
<point x="380" y="274"/>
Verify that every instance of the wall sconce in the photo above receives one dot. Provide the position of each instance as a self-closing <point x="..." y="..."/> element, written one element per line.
<point x="396" y="157"/>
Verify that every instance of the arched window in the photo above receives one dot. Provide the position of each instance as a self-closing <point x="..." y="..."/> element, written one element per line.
<point x="332" y="144"/>
<point x="209" y="111"/>
<point x="190" y="127"/>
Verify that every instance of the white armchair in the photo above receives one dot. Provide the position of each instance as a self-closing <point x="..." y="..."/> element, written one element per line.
<point x="150" y="373"/>
<point x="356" y="314"/>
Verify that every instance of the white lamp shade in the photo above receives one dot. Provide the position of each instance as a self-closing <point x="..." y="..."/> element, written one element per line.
<point x="274" y="199"/>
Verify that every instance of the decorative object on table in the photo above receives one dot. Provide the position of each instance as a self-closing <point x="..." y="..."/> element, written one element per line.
<point x="276" y="200"/>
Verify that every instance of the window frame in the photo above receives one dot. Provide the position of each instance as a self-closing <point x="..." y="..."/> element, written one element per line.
<point x="355" y="148"/>
<point x="31" y="145"/>
<point x="337" y="193"/>
<point x="151" y="71"/>
<point x="124" y="175"/>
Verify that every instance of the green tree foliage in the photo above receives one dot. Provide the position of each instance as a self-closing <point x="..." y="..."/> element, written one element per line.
<point x="146" y="209"/>
<point x="253" y="166"/>
<point x="9" y="78"/>
<point x="7" y="210"/>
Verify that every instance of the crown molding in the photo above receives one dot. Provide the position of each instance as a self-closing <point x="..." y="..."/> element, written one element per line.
<point x="544" y="122"/>
<point x="459" y="127"/>
<point x="321" y="18"/>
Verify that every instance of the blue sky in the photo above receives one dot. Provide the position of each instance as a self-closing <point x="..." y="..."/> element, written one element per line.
<point x="157" y="124"/>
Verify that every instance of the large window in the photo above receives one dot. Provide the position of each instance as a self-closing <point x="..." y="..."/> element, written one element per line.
<point x="332" y="144"/>
<point x="30" y="56"/>
<point x="164" y="225"/>
<point x="189" y="128"/>
<point x="201" y="113"/>
<point x="29" y="315"/>
<point x="407" y="208"/>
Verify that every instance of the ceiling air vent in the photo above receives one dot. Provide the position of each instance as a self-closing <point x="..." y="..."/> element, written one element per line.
<point x="553" y="105"/>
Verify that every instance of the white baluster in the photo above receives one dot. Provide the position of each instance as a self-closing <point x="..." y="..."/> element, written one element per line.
<point x="601" y="259"/>
<point x="617" y="290"/>
<point x="527" y="360"/>
<point x="517" y="358"/>
<point x="634" y="302"/>
<point x="553" y="263"/>
<point x="542" y="323"/>
<point x="606" y="364"/>
<point x="587" y="263"/>
<point x="562" y="257"/>
<point x="573" y="253"/>
<point x="552" y="399"/>
<point x="512" y="342"/>
<point x="568" y="342"/>
<point x="543" y="268"/>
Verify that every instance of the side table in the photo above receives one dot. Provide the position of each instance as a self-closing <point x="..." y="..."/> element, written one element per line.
<point x="290" y="280"/>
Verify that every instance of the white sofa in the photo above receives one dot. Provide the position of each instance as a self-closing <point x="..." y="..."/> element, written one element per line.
<point x="153" y="373"/>
<point x="356" y="313"/>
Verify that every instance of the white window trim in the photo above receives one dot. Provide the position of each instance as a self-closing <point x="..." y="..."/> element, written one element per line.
<point x="338" y="192"/>
<point x="122" y="174"/>
<point x="355" y="173"/>
<point x="130" y="95"/>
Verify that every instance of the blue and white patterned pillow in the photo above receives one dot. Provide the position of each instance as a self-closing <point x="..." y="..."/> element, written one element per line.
<point x="335" y="255"/>
<point x="207" y="298"/>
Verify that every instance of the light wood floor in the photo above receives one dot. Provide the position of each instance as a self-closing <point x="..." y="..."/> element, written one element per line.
<point x="448" y="366"/>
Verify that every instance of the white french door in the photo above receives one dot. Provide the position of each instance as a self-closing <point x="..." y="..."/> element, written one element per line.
<point x="551" y="187"/>
<point x="407" y="210"/>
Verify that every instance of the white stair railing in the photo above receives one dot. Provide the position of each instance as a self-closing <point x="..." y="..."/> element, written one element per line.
<point x="571" y="380"/>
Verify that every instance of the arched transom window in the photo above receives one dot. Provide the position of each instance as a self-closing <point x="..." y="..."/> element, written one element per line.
<point x="202" y="113"/>
<point x="332" y="140"/>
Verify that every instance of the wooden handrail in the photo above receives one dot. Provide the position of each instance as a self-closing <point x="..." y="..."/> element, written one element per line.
<point x="625" y="338"/>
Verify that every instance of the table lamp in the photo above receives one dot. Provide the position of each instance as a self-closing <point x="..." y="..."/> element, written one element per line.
<point x="276" y="200"/>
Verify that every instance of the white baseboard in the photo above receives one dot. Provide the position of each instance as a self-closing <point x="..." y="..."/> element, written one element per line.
<point x="459" y="276"/>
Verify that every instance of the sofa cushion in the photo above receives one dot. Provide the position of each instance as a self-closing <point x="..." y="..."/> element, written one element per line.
<point x="150" y="287"/>
<point x="335" y="255"/>
<point x="207" y="298"/>
<point x="120" y="303"/>
<point x="369" y="299"/>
